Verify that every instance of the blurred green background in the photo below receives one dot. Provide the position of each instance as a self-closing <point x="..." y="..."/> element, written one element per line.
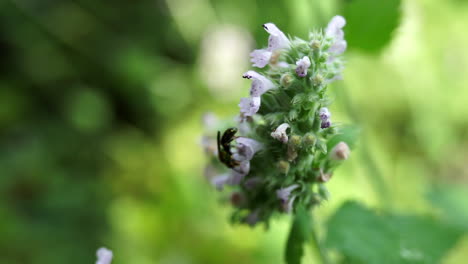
<point x="100" y="123"/>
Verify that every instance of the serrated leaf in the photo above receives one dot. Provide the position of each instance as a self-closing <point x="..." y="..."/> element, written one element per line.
<point x="299" y="234"/>
<point x="369" y="23"/>
<point x="363" y="235"/>
<point x="298" y="99"/>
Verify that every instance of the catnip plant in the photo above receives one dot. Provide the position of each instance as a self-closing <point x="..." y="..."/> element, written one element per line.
<point x="285" y="145"/>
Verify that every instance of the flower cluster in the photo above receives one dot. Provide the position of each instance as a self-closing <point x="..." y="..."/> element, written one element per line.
<point x="285" y="146"/>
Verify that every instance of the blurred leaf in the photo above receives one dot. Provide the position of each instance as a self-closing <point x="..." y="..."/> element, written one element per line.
<point x="299" y="234"/>
<point x="369" y="23"/>
<point x="365" y="236"/>
<point x="451" y="200"/>
<point x="348" y="134"/>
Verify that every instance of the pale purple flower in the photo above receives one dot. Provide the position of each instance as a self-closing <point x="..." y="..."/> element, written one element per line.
<point x="260" y="84"/>
<point x="249" y="106"/>
<point x="325" y="115"/>
<point x="209" y="145"/>
<point x="246" y="148"/>
<point x="243" y="167"/>
<point x="219" y="181"/>
<point x="210" y="172"/>
<point x="335" y="30"/>
<point x="284" y="193"/>
<point x="104" y="256"/>
<point x="277" y="39"/>
<point x="287" y="205"/>
<point x="235" y="177"/>
<point x="209" y="121"/>
<point x="302" y="66"/>
<point x="280" y="133"/>
<point x="252" y="183"/>
<point x="260" y="57"/>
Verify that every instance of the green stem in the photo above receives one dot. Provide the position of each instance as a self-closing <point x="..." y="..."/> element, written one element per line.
<point x="317" y="245"/>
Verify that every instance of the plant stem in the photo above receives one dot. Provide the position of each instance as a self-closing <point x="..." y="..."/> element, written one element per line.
<point x="317" y="244"/>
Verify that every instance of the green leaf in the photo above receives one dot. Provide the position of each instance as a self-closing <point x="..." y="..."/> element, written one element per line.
<point x="369" y="23"/>
<point x="299" y="234"/>
<point x="348" y="134"/>
<point x="451" y="201"/>
<point x="363" y="235"/>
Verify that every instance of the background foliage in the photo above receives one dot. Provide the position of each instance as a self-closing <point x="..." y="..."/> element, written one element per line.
<point x="100" y="107"/>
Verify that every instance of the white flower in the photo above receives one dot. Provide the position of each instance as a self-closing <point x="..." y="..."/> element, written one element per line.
<point x="335" y="30"/>
<point x="246" y="148"/>
<point x="284" y="193"/>
<point x="280" y="133"/>
<point x="325" y="117"/>
<point x="340" y="152"/>
<point x="302" y="66"/>
<point x="104" y="256"/>
<point x="277" y="39"/>
<point x="260" y="57"/>
<point x="260" y="83"/>
<point x="249" y="106"/>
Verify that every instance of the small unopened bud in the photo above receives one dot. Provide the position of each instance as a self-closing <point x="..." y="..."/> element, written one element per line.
<point x="309" y="139"/>
<point x="318" y="79"/>
<point x="315" y="45"/>
<point x="286" y="80"/>
<point x="292" y="153"/>
<point x="295" y="141"/>
<point x="283" y="166"/>
<point x="323" y="57"/>
<point x="340" y="152"/>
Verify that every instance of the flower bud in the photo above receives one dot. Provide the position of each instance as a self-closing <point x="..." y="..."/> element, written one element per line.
<point x="283" y="166"/>
<point x="309" y="139"/>
<point x="315" y="45"/>
<point x="286" y="80"/>
<point x="340" y="152"/>
<point x="292" y="153"/>
<point x="295" y="141"/>
<point x="323" y="57"/>
<point x="318" y="79"/>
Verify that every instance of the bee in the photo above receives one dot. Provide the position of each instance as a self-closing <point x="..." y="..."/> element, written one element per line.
<point x="224" y="147"/>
